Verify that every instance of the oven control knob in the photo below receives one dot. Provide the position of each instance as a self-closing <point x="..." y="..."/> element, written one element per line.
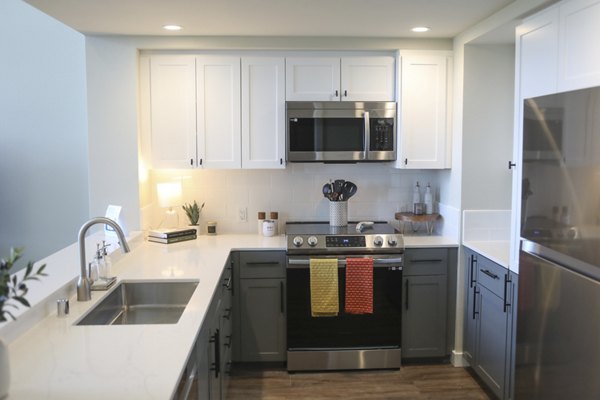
<point x="297" y="241"/>
<point x="392" y="241"/>
<point x="312" y="241"/>
<point x="377" y="241"/>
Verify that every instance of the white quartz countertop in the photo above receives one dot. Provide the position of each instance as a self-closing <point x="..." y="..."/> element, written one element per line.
<point x="57" y="360"/>
<point x="498" y="251"/>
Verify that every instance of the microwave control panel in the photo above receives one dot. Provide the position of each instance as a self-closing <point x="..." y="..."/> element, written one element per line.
<point x="382" y="134"/>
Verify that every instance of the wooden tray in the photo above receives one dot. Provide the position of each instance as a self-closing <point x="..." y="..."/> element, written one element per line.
<point x="416" y="220"/>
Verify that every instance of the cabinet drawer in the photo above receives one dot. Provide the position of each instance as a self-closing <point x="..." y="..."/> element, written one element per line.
<point x="262" y="264"/>
<point x="425" y="262"/>
<point x="490" y="275"/>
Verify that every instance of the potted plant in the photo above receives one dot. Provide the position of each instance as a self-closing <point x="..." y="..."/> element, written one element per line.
<point x="12" y="292"/>
<point x="192" y="211"/>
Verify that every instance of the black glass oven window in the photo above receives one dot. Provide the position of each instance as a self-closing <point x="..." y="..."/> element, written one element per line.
<point x="327" y="134"/>
<point x="380" y="329"/>
<point x="382" y="134"/>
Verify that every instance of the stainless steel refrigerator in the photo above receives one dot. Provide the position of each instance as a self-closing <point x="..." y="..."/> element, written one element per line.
<point x="557" y="352"/>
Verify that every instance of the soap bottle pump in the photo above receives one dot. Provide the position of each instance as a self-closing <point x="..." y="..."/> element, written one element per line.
<point x="428" y="200"/>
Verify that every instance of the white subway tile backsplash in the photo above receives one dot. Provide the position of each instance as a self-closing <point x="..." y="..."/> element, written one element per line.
<point x="486" y="225"/>
<point x="294" y="192"/>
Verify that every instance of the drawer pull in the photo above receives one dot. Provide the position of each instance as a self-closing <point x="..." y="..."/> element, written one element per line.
<point x="490" y="274"/>
<point x="472" y="275"/>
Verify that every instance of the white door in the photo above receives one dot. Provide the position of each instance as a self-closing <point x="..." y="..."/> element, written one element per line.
<point x="424" y="119"/>
<point x="579" y="61"/>
<point x="218" y="109"/>
<point x="173" y="111"/>
<point x="537" y="53"/>
<point x="367" y="79"/>
<point x="312" y="78"/>
<point x="263" y="112"/>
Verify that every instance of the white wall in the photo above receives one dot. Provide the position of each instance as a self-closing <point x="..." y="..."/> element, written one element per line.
<point x="43" y="132"/>
<point x="488" y="127"/>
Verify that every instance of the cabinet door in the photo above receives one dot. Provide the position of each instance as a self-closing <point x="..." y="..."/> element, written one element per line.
<point x="173" y="111"/>
<point x="491" y="350"/>
<point x="424" y="117"/>
<point x="263" y="112"/>
<point x="263" y="320"/>
<point x="218" y="110"/>
<point x="579" y="60"/>
<point x="312" y="78"/>
<point x="537" y="52"/>
<point x="367" y="79"/>
<point x="424" y="316"/>
<point x="471" y="310"/>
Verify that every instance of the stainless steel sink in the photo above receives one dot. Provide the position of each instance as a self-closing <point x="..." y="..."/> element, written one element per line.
<point x="141" y="303"/>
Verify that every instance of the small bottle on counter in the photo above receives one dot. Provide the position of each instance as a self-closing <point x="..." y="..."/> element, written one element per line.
<point x="107" y="261"/>
<point x="428" y="200"/>
<point x="417" y="194"/>
<point x="274" y="216"/>
<point x="261" y="217"/>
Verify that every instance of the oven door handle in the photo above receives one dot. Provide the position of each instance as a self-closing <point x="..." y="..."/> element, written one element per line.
<point x="294" y="263"/>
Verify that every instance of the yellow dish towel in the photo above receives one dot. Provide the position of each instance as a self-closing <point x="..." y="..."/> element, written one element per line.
<point x="324" y="297"/>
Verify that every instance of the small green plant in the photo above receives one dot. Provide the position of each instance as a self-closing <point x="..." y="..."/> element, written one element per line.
<point x="13" y="289"/>
<point x="193" y="212"/>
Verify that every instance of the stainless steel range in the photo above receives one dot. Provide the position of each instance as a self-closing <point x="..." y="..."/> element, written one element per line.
<point x="344" y="341"/>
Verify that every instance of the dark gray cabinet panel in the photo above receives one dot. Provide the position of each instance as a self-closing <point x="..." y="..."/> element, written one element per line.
<point x="259" y="296"/>
<point x="489" y="322"/>
<point x="425" y="303"/>
<point x="424" y="316"/>
<point x="263" y="320"/>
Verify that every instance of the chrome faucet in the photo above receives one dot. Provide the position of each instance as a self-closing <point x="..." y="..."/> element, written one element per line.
<point x="84" y="285"/>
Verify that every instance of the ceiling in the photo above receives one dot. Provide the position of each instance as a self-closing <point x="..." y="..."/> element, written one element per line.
<point x="347" y="18"/>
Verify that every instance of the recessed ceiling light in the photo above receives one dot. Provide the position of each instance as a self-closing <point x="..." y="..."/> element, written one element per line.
<point x="420" y="29"/>
<point x="172" y="27"/>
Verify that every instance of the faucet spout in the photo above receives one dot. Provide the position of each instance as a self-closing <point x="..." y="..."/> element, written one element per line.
<point x="84" y="284"/>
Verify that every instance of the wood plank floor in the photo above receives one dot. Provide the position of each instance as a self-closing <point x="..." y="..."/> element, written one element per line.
<point x="419" y="382"/>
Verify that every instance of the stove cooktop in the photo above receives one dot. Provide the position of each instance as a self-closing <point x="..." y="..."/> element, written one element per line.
<point x="320" y="237"/>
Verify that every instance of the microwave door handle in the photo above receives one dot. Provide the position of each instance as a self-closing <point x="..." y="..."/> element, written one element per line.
<point x="367" y="135"/>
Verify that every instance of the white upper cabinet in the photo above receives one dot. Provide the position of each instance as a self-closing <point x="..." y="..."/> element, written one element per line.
<point x="312" y="79"/>
<point x="362" y="78"/>
<point x="218" y="111"/>
<point x="367" y="79"/>
<point x="424" y="106"/>
<point x="579" y="58"/>
<point x="263" y="112"/>
<point x="173" y="111"/>
<point x="537" y="52"/>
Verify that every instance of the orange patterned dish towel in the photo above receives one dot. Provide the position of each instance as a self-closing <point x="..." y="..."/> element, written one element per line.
<point x="359" y="286"/>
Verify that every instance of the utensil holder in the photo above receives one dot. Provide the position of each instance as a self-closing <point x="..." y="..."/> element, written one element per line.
<point x="338" y="213"/>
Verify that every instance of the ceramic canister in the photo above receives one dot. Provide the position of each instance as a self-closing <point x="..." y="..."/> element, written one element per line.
<point x="269" y="227"/>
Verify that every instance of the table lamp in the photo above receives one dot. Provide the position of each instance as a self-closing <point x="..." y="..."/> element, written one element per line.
<point x="169" y="196"/>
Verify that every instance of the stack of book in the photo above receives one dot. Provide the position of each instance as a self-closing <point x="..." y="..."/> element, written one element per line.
<point x="171" y="235"/>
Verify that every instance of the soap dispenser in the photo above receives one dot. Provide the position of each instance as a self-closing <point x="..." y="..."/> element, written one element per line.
<point x="416" y="194"/>
<point x="428" y="200"/>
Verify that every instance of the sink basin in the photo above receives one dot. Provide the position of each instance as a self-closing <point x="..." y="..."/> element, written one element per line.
<point x="142" y="303"/>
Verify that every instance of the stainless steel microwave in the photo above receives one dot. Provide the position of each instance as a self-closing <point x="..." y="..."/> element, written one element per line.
<point x="337" y="131"/>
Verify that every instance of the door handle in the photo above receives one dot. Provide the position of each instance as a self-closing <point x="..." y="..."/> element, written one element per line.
<point x="475" y="293"/>
<point x="281" y="297"/>
<point x="507" y="281"/>
<point x="490" y="274"/>
<point x="406" y="295"/>
<point x="217" y="364"/>
<point x="367" y="135"/>
<point x="473" y="262"/>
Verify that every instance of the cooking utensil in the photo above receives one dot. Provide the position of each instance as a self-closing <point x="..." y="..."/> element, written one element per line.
<point x="328" y="191"/>
<point x="349" y="189"/>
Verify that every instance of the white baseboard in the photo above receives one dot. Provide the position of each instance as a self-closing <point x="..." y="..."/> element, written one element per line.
<point x="458" y="360"/>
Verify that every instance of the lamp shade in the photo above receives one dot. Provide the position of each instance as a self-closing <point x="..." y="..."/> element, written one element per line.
<point x="169" y="194"/>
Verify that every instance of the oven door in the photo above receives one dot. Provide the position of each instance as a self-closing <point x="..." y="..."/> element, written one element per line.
<point x="381" y="329"/>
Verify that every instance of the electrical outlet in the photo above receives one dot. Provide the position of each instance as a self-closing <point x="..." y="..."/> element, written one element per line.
<point x="243" y="214"/>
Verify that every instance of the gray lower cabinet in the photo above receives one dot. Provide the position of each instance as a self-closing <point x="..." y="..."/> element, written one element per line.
<point x="206" y="376"/>
<point x="260" y="323"/>
<point x="489" y="322"/>
<point x="425" y="303"/>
